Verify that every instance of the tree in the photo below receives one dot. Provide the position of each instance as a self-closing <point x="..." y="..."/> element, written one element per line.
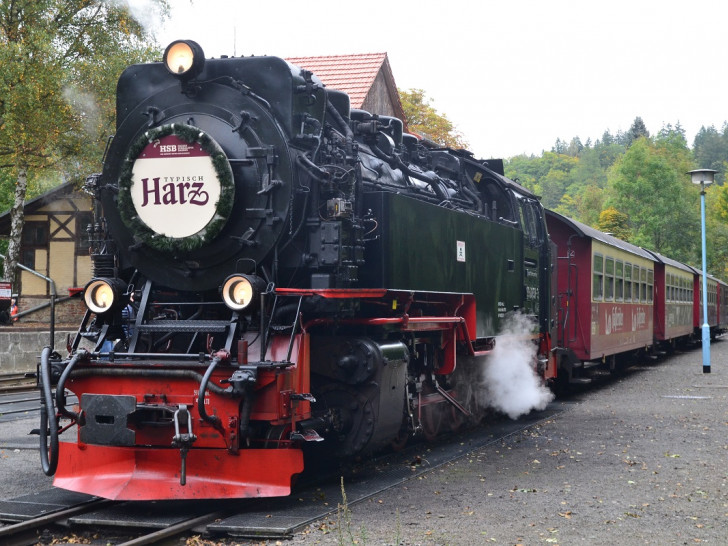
<point x="50" y="49"/>
<point x="649" y="185"/>
<point x="608" y="149"/>
<point x="423" y="119"/>
<point x="614" y="222"/>
<point x="575" y="147"/>
<point x="636" y="131"/>
<point x="711" y="150"/>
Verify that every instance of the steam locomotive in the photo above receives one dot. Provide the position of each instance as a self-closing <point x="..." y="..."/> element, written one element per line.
<point x="273" y="269"/>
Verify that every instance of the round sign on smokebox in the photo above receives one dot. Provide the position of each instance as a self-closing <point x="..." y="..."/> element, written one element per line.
<point x="176" y="188"/>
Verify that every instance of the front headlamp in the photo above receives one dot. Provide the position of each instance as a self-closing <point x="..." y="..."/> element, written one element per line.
<point x="242" y="291"/>
<point x="184" y="58"/>
<point x="102" y="295"/>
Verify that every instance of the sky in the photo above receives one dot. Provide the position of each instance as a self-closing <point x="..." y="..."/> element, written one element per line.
<point x="513" y="76"/>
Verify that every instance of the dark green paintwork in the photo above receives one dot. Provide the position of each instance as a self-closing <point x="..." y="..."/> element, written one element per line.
<point x="417" y="250"/>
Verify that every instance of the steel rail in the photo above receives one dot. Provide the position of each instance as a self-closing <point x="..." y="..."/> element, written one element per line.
<point x="19" y="534"/>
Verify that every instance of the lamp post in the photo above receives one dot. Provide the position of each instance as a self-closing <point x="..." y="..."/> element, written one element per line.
<point x="704" y="177"/>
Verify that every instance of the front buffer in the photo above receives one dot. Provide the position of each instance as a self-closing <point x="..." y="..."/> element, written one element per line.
<point x="141" y="474"/>
<point x="161" y="430"/>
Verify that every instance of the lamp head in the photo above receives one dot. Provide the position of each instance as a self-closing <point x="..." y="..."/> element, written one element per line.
<point x="702" y="176"/>
<point x="184" y="59"/>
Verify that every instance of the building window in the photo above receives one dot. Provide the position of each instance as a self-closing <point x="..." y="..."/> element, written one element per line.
<point x="35" y="237"/>
<point x="83" y="220"/>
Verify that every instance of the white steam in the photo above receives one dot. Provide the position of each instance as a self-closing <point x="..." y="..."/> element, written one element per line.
<point x="147" y="13"/>
<point x="86" y="108"/>
<point x="506" y="379"/>
<point x="512" y="385"/>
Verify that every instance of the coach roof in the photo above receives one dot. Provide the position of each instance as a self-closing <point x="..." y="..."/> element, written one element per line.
<point x="585" y="231"/>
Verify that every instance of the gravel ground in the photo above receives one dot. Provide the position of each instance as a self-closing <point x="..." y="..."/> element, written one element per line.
<point x="642" y="459"/>
<point x="20" y="470"/>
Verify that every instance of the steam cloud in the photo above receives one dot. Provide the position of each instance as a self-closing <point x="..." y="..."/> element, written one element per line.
<point x="506" y="380"/>
<point x="146" y="12"/>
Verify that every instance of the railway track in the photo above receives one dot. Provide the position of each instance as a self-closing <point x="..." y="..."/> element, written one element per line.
<point x="316" y="498"/>
<point x="16" y="382"/>
<point x="20" y="397"/>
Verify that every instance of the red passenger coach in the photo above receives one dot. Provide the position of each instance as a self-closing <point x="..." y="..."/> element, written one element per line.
<point x="698" y="316"/>
<point x="722" y="305"/>
<point x="674" y="297"/>
<point x="605" y="291"/>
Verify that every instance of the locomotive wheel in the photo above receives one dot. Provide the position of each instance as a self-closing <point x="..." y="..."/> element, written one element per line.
<point x="457" y="419"/>
<point x="400" y="441"/>
<point x="276" y="437"/>
<point x="432" y="420"/>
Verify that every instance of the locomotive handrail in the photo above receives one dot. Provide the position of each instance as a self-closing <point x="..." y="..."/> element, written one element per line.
<point x="151" y="372"/>
<point x="383" y="321"/>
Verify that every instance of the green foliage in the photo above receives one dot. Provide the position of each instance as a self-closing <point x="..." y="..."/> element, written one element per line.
<point x="59" y="63"/>
<point x="643" y="179"/>
<point x="424" y="120"/>
<point x="548" y="176"/>
<point x="636" y="131"/>
<point x="59" y="60"/>
<point x="711" y="150"/>
<point x="649" y="185"/>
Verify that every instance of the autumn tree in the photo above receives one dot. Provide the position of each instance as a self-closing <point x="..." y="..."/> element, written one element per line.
<point x="614" y="222"/>
<point x="58" y="59"/>
<point x="423" y="119"/>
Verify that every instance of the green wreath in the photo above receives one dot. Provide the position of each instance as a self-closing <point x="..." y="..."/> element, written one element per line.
<point x="223" y="207"/>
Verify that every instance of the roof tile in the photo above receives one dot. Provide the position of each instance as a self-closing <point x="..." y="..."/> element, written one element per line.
<point x="352" y="74"/>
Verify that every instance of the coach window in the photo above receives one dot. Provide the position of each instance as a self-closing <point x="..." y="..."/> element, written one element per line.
<point x="669" y="287"/>
<point x="619" y="280"/>
<point x="643" y="285"/>
<point x="676" y="288"/>
<point x="679" y="289"/>
<point x="609" y="279"/>
<point x="677" y="296"/>
<point x="650" y="285"/>
<point x="627" y="282"/>
<point x="598" y="277"/>
<point x="636" y="284"/>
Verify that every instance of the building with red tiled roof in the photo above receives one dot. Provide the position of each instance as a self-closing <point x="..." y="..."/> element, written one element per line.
<point x="367" y="79"/>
